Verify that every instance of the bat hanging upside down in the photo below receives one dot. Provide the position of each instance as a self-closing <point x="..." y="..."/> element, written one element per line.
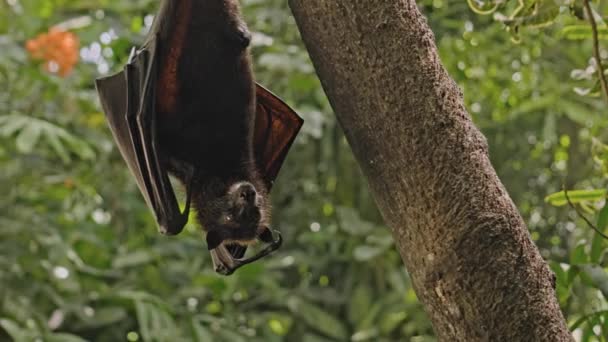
<point x="186" y="104"/>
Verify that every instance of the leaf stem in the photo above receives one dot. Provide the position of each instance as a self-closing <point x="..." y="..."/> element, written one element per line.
<point x="583" y="215"/>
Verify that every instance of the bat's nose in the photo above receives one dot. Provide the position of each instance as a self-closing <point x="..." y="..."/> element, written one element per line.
<point x="246" y="191"/>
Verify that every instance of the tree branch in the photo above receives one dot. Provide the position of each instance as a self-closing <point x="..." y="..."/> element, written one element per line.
<point x="596" y="49"/>
<point x="472" y="262"/>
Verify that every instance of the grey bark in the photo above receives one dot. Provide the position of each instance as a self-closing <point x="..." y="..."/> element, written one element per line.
<point x="471" y="259"/>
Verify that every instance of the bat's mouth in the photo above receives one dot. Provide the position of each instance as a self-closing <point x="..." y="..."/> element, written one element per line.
<point x="248" y="216"/>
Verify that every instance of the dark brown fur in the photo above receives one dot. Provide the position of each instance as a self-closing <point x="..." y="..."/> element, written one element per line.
<point x="206" y="101"/>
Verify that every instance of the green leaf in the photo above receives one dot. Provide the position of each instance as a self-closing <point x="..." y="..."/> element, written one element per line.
<point x="248" y="273"/>
<point x="133" y="259"/>
<point x="143" y="320"/>
<point x="369" y="320"/>
<point x="201" y="333"/>
<point x="383" y="238"/>
<point x="598" y="243"/>
<point x="359" y="304"/>
<point x="597" y="247"/>
<point x="141" y="296"/>
<point x="366" y="252"/>
<point x="317" y="318"/>
<point x="63" y="337"/>
<point x="31" y="130"/>
<point x="154" y="323"/>
<point x="10" y="124"/>
<point x="391" y="320"/>
<point x="578" y="113"/>
<point x="585" y="318"/>
<point x="559" y="198"/>
<point x="352" y="223"/>
<point x="599" y="278"/>
<point x="308" y="337"/>
<point x="483" y="7"/>
<point x="571" y="275"/>
<point x="137" y="23"/>
<point x="279" y="323"/>
<point x="602" y="220"/>
<point x="365" y="335"/>
<point x="583" y="32"/>
<point x="578" y="256"/>
<point x="28" y="138"/>
<point x="533" y="14"/>
<point x="14" y="330"/>
<point x="79" y="147"/>
<point x="105" y="316"/>
<point x="58" y="147"/>
<point x="229" y="335"/>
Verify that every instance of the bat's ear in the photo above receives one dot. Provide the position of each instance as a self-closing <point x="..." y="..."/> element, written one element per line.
<point x="266" y="235"/>
<point x="214" y="239"/>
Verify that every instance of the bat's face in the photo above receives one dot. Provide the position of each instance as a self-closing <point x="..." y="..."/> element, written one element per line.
<point x="243" y="210"/>
<point x="233" y="218"/>
<point x="236" y="214"/>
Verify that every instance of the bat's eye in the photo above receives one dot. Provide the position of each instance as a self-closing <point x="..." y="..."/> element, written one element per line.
<point x="228" y="218"/>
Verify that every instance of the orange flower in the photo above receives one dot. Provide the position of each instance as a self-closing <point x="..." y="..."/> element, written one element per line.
<point x="57" y="48"/>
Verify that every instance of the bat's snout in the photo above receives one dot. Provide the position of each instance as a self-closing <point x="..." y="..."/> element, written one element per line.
<point x="245" y="204"/>
<point x="246" y="193"/>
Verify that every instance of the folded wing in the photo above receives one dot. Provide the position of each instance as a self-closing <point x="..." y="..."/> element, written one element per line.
<point x="276" y="127"/>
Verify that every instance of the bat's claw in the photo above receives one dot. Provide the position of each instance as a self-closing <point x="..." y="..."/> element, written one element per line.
<point x="225" y="264"/>
<point x="224" y="270"/>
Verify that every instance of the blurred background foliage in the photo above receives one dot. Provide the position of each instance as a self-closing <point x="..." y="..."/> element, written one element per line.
<point x="80" y="258"/>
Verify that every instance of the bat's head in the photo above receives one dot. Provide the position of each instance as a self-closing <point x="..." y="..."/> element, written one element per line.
<point x="243" y="206"/>
<point x="240" y="213"/>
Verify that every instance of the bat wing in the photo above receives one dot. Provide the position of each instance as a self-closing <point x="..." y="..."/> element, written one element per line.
<point x="128" y="100"/>
<point x="276" y="127"/>
<point x="112" y="92"/>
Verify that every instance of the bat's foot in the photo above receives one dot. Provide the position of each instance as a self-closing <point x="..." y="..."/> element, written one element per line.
<point x="223" y="270"/>
<point x="225" y="264"/>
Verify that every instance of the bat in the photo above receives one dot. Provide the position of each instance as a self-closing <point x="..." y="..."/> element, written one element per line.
<point x="186" y="104"/>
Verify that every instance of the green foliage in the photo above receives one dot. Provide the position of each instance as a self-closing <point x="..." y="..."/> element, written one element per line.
<point x="576" y="196"/>
<point x="80" y="258"/>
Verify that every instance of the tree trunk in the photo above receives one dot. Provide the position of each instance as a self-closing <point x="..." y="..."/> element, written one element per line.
<point x="467" y="249"/>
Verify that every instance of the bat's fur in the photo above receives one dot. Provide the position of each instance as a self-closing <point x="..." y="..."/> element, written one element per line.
<point x="206" y="103"/>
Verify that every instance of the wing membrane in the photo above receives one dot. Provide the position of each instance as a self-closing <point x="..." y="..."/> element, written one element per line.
<point x="129" y="101"/>
<point x="112" y="92"/>
<point x="276" y="127"/>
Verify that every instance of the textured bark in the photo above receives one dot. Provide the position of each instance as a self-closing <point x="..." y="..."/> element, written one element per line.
<point x="467" y="249"/>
